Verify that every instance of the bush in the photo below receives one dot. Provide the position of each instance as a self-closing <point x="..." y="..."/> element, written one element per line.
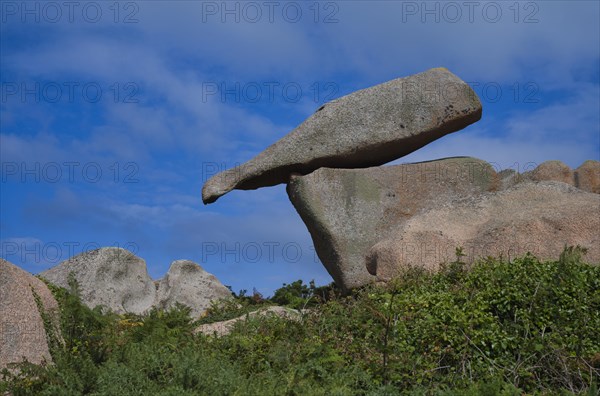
<point x="297" y="295"/>
<point x="499" y="328"/>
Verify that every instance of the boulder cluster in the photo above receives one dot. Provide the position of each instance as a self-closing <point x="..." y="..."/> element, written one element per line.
<point x="369" y="222"/>
<point x="118" y="280"/>
<point x="113" y="278"/>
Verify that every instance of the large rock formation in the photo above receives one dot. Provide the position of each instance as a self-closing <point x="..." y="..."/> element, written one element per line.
<point x="540" y="218"/>
<point x="188" y="283"/>
<point x="112" y="277"/>
<point x="347" y="211"/>
<point x="359" y="217"/>
<point x="366" y="128"/>
<point x="22" y="332"/>
<point x="367" y="222"/>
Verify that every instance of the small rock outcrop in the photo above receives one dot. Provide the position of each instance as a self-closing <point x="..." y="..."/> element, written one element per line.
<point x="188" y="283"/>
<point x="541" y="218"/>
<point x="366" y="128"/>
<point x="586" y="177"/>
<point x="22" y="331"/>
<point x="225" y="327"/>
<point x="111" y="277"/>
<point x="553" y="171"/>
<point x="347" y="211"/>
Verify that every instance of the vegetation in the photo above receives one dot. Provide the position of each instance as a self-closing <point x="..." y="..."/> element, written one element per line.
<point x="498" y="328"/>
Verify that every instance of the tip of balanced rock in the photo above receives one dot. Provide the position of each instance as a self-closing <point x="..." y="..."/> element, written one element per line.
<point x="366" y="128"/>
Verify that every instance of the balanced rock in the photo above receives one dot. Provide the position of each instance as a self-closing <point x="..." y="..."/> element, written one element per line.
<point x="541" y="218"/>
<point x="347" y="211"/>
<point x="189" y="284"/>
<point x="366" y="128"/>
<point x="111" y="277"/>
<point x="22" y="332"/>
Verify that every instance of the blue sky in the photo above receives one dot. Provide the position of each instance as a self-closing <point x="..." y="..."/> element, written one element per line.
<point x="112" y="115"/>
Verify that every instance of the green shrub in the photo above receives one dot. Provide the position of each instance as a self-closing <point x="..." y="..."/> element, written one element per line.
<point x="297" y="295"/>
<point x="499" y="328"/>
